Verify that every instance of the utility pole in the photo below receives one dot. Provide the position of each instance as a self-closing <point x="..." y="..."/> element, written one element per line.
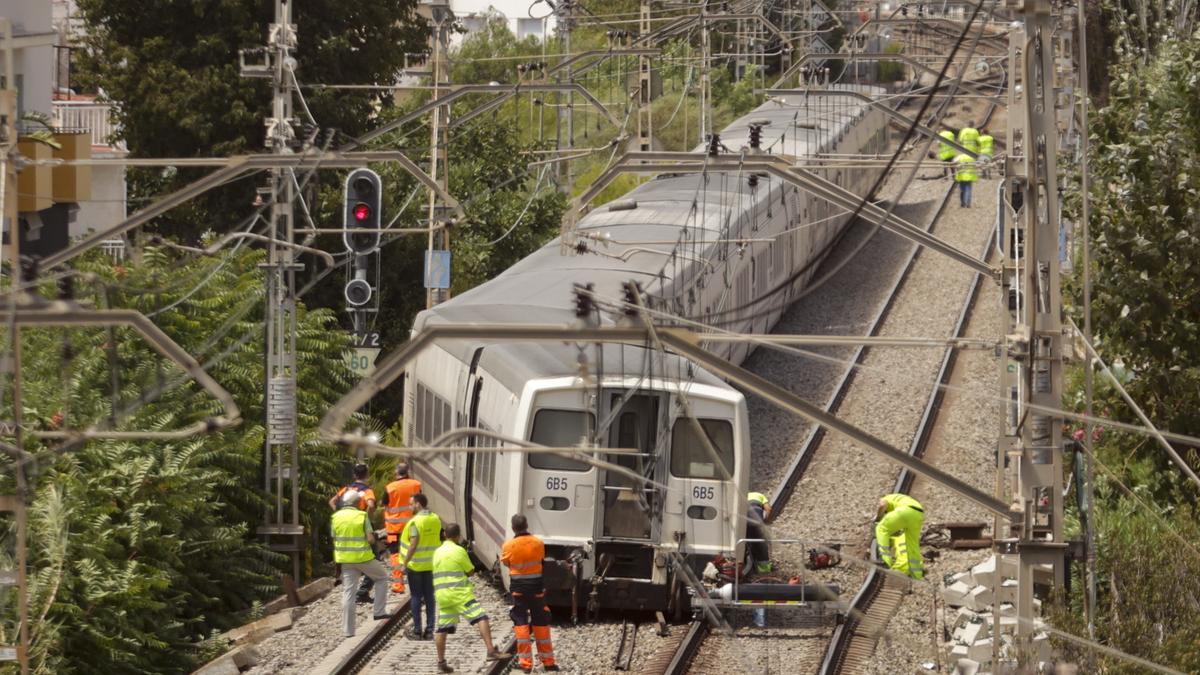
<point x="438" y="255"/>
<point x="565" y="26"/>
<point x="645" y="118"/>
<point x="705" y="66"/>
<point x="14" y="503"/>
<point x="281" y="528"/>
<point x="1031" y="441"/>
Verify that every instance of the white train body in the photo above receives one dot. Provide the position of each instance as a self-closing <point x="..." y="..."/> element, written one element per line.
<point x="695" y="506"/>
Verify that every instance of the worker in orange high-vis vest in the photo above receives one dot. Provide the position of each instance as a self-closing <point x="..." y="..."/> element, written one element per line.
<point x="398" y="497"/>
<point x="523" y="555"/>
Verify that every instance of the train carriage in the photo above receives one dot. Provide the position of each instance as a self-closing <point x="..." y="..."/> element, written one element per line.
<point x="725" y="248"/>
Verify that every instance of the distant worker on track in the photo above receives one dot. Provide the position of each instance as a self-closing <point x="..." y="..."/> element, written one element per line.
<point x="900" y="514"/>
<point x="757" y="512"/>
<point x="397" y="512"/>
<point x="523" y="556"/>
<point x="987" y="149"/>
<point x="352" y="539"/>
<point x="965" y="175"/>
<point x="418" y="543"/>
<point x="968" y="137"/>
<point x="456" y="597"/>
<point x="946" y="152"/>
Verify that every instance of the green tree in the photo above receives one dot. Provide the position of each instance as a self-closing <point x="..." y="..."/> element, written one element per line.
<point x="172" y="70"/>
<point x="140" y="549"/>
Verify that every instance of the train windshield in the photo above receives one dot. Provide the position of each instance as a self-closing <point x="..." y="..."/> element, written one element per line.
<point x="691" y="457"/>
<point x="560" y="429"/>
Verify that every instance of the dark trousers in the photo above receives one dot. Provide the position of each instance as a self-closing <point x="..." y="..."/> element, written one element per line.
<point x="964" y="193"/>
<point x="420" y="587"/>
<point x="529" y="609"/>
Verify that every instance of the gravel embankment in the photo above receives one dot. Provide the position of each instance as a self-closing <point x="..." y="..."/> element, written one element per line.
<point x="963" y="445"/>
<point x="834" y="502"/>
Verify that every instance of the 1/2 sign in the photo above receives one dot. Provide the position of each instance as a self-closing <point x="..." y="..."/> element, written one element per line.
<point x="365" y="339"/>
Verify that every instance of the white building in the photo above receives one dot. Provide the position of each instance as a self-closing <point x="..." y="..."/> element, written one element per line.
<point x="524" y="21"/>
<point x="45" y="32"/>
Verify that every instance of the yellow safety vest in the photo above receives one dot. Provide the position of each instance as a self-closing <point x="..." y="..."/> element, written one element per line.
<point x="757" y="498"/>
<point x="946" y="152"/>
<point x="964" y="169"/>
<point x="968" y="137"/>
<point x="350" y="543"/>
<point x="429" y="527"/>
<point x="451" y="565"/>
<point x="898" y="500"/>
<point x="985" y="145"/>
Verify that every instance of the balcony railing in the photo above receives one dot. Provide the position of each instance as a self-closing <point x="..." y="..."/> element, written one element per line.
<point x="91" y="116"/>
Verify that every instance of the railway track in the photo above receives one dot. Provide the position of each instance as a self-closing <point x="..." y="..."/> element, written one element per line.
<point x="853" y="641"/>
<point x="381" y="633"/>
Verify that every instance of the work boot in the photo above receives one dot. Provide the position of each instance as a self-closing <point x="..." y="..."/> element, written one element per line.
<point x="428" y="634"/>
<point x="412" y="634"/>
<point x="444" y="667"/>
<point x="551" y="669"/>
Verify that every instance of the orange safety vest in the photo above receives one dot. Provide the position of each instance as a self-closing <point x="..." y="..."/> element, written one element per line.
<point x="399" y="509"/>
<point x="523" y="555"/>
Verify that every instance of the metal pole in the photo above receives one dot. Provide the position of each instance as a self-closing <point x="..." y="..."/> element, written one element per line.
<point x="439" y="170"/>
<point x="1088" y="384"/>
<point x="8" y="210"/>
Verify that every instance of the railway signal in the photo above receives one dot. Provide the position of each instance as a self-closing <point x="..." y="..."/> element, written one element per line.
<point x="362" y="202"/>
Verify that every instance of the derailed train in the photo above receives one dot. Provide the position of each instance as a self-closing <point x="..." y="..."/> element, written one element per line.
<point x="745" y="236"/>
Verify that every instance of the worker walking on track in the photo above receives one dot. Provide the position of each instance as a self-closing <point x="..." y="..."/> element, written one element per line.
<point x="965" y="175"/>
<point x="366" y="502"/>
<point x="352" y="539"/>
<point x="456" y="596"/>
<point x="946" y="152"/>
<point x="397" y="512"/>
<point x="523" y="555"/>
<point x="421" y="538"/>
<point x="757" y="512"/>
<point x="900" y="514"/>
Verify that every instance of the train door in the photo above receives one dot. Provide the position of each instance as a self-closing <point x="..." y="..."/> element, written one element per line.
<point x="702" y="489"/>
<point x="558" y="493"/>
<point x="464" y="463"/>
<point x="627" y="503"/>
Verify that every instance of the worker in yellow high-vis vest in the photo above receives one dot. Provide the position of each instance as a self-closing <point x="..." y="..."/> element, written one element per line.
<point x="968" y="137"/>
<point x="421" y="538"/>
<point x="456" y="598"/>
<point x="946" y="152"/>
<point x="900" y="514"/>
<point x="965" y="175"/>
<point x="987" y="149"/>
<point x="352" y="540"/>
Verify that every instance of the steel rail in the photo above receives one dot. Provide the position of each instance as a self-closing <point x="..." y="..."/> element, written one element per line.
<point x="381" y="633"/>
<point x="783" y="493"/>
<point x="847" y="633"/>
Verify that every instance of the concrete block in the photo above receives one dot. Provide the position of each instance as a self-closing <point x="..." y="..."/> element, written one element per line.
<point x="962" y="617"/>
<point x="966" y="667"/>
<point x="277" y="605"/>
<point x="969" y="633"/>
<point x="315" y="590"/>
<point x="1041" y="647"/>
<point x="245" y="656"/>
<point x="958" y="652"/>
<point x="256" y="631"/>
<point x="981" y="597"/>
<point x="1008" y="591"/>
<point x="953" y="594"/>
<point x="980" y="650"/>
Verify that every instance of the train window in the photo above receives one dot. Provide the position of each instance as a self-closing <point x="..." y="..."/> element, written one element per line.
<point x="560" y="428"/>
<point x="485" y="463"/>
<point x="447" y="417"/>
<point x="690" y="457"/>
<point x="420" y="408"/>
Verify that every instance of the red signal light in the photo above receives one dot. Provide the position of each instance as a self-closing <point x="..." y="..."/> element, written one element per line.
<point x="361" y="212"/>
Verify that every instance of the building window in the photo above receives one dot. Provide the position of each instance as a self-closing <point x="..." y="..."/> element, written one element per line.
<point x="529" y="28"/>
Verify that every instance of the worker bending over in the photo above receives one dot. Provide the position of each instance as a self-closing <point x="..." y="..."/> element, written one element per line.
<point x="523" y="556"/>
<point x="352" y="539"/>
<point x="397" y="512"/>
<point x="456" y="596"/>
<point x="757" y="512"/>
<point x="422" y="538"/>
<point x="968" y="137"/>
<point x="900" y="514"/>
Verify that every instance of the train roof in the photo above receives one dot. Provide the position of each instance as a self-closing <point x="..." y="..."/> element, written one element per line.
<point x="635" y="239"/>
